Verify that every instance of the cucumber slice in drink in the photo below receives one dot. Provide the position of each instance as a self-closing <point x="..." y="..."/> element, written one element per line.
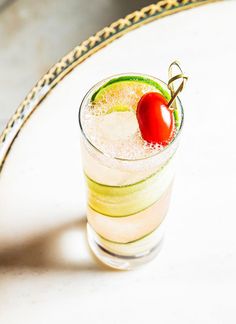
<point x="121" y="201"/>
<point x="137" y="247"/>
<point x="128" y="230"/>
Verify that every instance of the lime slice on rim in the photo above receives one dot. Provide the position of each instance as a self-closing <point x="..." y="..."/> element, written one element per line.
<point x="123" y="93"/>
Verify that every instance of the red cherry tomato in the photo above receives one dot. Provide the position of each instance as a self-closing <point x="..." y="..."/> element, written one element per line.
<point x="155" y="119"/>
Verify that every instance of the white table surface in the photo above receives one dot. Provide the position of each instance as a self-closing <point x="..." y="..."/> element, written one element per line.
<point x="47" y="274"/>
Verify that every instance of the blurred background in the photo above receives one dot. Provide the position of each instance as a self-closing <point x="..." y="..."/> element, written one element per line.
<point x="36" y="34"/>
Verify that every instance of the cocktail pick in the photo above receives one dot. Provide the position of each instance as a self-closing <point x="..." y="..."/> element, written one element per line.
<point x="174" y="79"/>
<point x="155" y="114"/>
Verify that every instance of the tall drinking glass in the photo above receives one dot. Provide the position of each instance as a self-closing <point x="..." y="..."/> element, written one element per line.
<point x="127" y="198"/>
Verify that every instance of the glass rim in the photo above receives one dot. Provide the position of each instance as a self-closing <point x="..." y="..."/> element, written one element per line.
<point x="103" y="81"/>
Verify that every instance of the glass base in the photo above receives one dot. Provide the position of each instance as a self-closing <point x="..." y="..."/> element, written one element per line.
<point x="126" y="256"/>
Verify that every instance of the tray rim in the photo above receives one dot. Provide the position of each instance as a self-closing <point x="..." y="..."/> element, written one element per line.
<point x="79" y="54"/>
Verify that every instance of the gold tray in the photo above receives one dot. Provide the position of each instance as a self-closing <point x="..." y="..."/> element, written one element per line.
<point x="46" y="270"/>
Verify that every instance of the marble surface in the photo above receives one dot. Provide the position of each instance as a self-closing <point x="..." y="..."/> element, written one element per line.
<point x="47" y="274"/>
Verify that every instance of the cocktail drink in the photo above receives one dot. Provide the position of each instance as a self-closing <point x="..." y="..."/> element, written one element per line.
<point x="128" y="177"/>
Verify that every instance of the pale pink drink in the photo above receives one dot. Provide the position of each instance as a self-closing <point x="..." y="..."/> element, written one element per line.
<point x="128" y="180"/>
